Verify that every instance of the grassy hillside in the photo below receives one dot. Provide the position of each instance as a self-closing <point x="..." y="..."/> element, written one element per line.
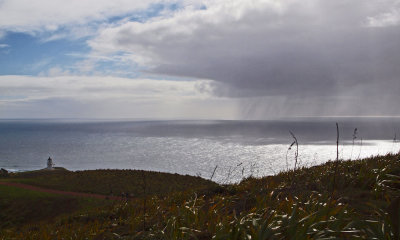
<point x="134" y="182"/>
<point x="20" y="207"/>
<point x="362" y="203"/>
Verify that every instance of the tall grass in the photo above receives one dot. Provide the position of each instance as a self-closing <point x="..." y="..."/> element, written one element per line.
<point x="365" y="206"/>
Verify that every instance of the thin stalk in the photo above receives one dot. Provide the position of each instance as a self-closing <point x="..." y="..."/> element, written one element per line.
<point x="352" y="146"/>
<point x="212" y="175"/>
<point x="296" y="155"/>
<point x="337" y="157"/>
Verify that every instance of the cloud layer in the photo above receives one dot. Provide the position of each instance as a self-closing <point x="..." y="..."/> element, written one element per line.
<point x="276" y="58"/>
<point x="320" y="50"/>
<point x="108" y="97"/>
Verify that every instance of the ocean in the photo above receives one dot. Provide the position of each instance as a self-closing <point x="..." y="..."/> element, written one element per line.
<point x="234" y="149"/>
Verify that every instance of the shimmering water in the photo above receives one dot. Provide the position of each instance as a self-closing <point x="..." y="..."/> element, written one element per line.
<point x="238" y="148"/>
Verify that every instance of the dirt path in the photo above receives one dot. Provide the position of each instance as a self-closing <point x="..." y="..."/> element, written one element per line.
<point x="74" y="194"/>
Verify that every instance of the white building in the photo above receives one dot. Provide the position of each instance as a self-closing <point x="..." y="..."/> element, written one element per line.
<point x="50" y="164"/>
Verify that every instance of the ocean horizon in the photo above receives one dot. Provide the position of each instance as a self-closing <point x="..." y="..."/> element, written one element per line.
<point x="236" y="149"/>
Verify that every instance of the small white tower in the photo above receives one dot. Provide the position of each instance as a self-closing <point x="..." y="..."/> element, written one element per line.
<point x="50" y="164"/>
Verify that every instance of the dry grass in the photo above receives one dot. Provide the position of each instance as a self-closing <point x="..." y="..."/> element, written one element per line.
<point x="365" y="205"/>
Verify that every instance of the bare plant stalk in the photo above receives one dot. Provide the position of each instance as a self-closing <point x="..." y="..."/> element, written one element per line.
<point x="296" y="155"/>
<point x="229" y="175"/>
<point x="337" y="157"/>
<point x="215" y="169"/>
<point x="354" y="138"/>
<point x="235" y="171"/>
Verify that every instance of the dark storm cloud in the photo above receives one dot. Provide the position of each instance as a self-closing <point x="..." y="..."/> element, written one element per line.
<point x="312" y="52"/>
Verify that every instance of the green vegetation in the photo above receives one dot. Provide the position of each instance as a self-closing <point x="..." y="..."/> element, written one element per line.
<point x="114" y="182"/>
<point x="364" y="203"/>
<point x="20" y="206"/>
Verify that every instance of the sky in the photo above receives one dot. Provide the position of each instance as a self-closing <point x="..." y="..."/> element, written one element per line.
<point x="199" y="59"/>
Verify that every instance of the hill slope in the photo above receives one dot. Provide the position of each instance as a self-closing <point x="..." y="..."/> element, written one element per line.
<point x="362" y="203"/>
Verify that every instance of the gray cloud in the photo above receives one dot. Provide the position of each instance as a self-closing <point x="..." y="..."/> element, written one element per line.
<point x="310" y="52"/>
